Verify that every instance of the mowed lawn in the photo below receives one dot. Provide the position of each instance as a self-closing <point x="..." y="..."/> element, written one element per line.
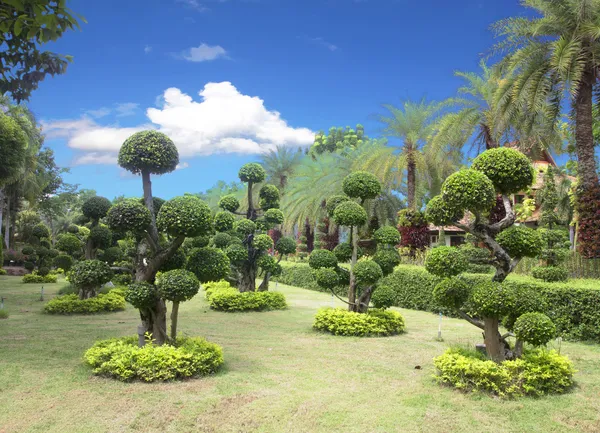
<point x="279" y="376"/>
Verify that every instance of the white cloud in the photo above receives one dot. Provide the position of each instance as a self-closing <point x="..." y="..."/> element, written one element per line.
<point x="324" y="43"/>
<point x="222" y="121"/>
<point x="147" y="49"/>
<point x="100" y="112"/>
<point x="193" y="4"/>
<point x="204" y="53"/>
<point x="182" y="166"/>
<point x="126" y="109"/>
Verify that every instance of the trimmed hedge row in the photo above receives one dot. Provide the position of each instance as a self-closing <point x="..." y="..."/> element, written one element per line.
<point x="38" y="279"/>
<point x="222" y="297"/>
<point x="302" y="275"/>
<point x="375" y="323"/>
<point x="71" y="304"/>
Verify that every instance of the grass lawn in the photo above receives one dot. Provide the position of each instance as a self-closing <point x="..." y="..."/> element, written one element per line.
<point x="279" y="376"/>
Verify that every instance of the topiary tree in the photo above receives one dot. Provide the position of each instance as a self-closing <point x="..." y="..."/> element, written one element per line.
<point x="64" y="262"/>
<point x="88" y="275"/>
<point x="156" y="236"/>
<point x="94" y="209"/>
<point x="272" y="267"/>
<point x="473" y="192"/>
<point x="177" y="286"/>
<point x="252" y="230"/>
<point x="68" y="243"/>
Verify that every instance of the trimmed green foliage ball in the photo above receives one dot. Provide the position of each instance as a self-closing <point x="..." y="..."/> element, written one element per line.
<point x="387" y="235"/>
<point x="53" y="253"/>
<point x="185" y="216"/>
<point x="411" y="218"/>
<point x="27" y="250"/>
<point x="141" y="295"/>
<point x="536" y="329"/>
<point x="178" y="285"/>
<point x="384" y="296"/>
<point x="343" y="252"/>
<point x="74" y="229"/>
<point x="41" y="231"/>
<point x="274" y="216"/>
<point x="244" y="227"/>
<point x="148" y="151"/>
<point x="367" y="272"/>
<point x="101" y="236"/>
<point x="491" y="299"/>
<point x="269" y="197"/>
<point x="361" y="184"/>
<point x="350" y="213"/>
<point x="176" y="261"/>
<point x="30" y="266"/>
<point x="387" y="259"/>
<point x="43" y="271"/>
<point x="111" y="255"/>
<point x="440" y="213"/>
<point x="445" y="261"/>
<point x="208" y="264"/>
<point x="550" y="273"/>
<point x="129" y="215"/>
<point x="285" y="245"/>
<point x="509" y="170"/>
<point x="196" y="242"/>
<point x="68" y="243"/>
<point x="262" y="242"/>
<point x="520" y="241"/>
<point x="13" y="145"/>
<point x="252" y="172"/>
<point x="42" y="251"/>
<point x="322" y="259"/>
<point x="236" y="253"/>
<point x="156" y="204"/>
<point x="469" y="189"/>
<point x="221" y="240"/>
<point x="90" y="274"/>
<point x="229" y="203"/>
<point x="333" y="202"/>
<point x="63" y="261"/>
<point x="451" y="293"/>
<point x="45" y="243"/>
<point x="96" y="207"/>
<point x="224" y="221"/>
<point x="327" y="278"/>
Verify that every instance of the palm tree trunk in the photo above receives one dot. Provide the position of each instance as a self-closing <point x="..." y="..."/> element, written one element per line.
<point x="584" y="136"/>
<point x="490" y="143"/>
<point x="411" y="180"/>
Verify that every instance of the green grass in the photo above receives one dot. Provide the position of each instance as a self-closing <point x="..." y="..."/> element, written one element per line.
<point x="279" y="376"/>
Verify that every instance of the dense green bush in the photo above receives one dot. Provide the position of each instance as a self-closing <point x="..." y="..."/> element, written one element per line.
<point x="333" y="202"/>
<point x="101" y="236"/>
<point x="252" y="172"/>
<point x="438" y="212"/>
<point x="322" y="259"/>
<point x="177" y="285"/>
<point x="445" y="261"/>
<point x="185" y="216"/>
<point x="537" y="373"/>
<point x="141" y="295"/>
<point x="129" y="215"/>
<point x="339" y="321"/>
<point x="41" y="231"/>
<point x="327" y="278"/>
<point x="520" y="241"/>
<point x="550" y="273"/>
<point x="112" y="255"/>
<point x="367" y="272"/>
<point x="229" y="203"/>
<point x="361" y="184"/>
<point x="387" y="235"/>
<point x="208" y="264"/>
<point x="96" y="207"/>
<point x="350" y="213"/>
<point x="451" y="292"/>
<point x="88" y="275"/>
<point x="224" y="221"/>
<point x="534" y="328"/>
<point x="30" y="266"/>
<point x="225" y="298"/>
<point x="69" y="243"/>
<point x="122" y="359"/>
<point x="148" y="151"/>
<point x="35" y="279"/>
<point x="71" y="304"/>
<point x="469" y="189"/>
<point x="509" y="170"/>
<point x="387" y="259"/>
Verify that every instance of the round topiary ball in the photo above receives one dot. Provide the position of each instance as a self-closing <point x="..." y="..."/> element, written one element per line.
<point x="141" y="295"/>
<point x="197" y="242"/>
<point x="156" y="204"/>
<point x="445" y="261"/>
<point x="224" y="221"/>
<point x="148" y="151"/>
<point x="367" y="272"/>
<point x="267" y="263"/>
<point x="509" y="170"/>
<point x="178" y="285"/>
<point x="221" y="240"/>
<point x="322" y="259"/>
<point x="64" y="262"/>
<point x="29" y="266"/>
<point x="96" y="207"/>
<point x="185" y="216"/>
<point x="129" y="215"/>
<point x="90" y="274"/>
<point x="229" y="203"/>
<point x="42" y="251"/>
<point x="361" y="184"/>
<point x="45" y="243"/>
<point x="252" y="172"/>
<point x="536" y="329"/>
<point x="274" y="216"/>
<point x="387" y="235"/>
<point x="208" y="264"/>
<point x="285" y="245"/>
<point x="176" y="261"/>
<point x="262" y="242"/>
<point x="68" y="243"/>
<point x="438" y="212"/>
<point x="327" y="278"/>
<point x="28" y="250"/>
<point x="343" y="252"/>
<point x="387" y="259"/>
<point x="244" y="227"/>
<point x="52" y="253"/>
<point x="237" y="253"/>
<point x="101" y="236"/>
<point x="350" y="213"/>
<point x="520" y="241"/>
<point x="384" y="296"/>
<point x="333" y="202"/>
<point x="73" y="229"/>
<point x="111" y="255"/>
<point x="269" y="197"/>
<point x="451" y="293"/>
<point x="43" y="271"/>
<point x="469" y="189"/>
<point x="491" y="299"/>
<point x="40" y="231"/>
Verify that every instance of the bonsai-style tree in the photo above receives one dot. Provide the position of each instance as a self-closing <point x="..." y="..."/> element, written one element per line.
<point x="40" y="254"/>
<point x="157" y="238"/>
<point x="96" y="208"/>
<point x="271" y="266"/>
<point x="252" y="254"/>
<point x="88" y="276"/>
<point x="500" y="171"/>
<point x="177" y="286"/>
<point x="68" y="243"/>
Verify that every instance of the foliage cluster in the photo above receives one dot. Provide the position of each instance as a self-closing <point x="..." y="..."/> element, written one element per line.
<point x="223" y="297"/>
<point x="71" y="304"/>
<point x="374" y="323"/>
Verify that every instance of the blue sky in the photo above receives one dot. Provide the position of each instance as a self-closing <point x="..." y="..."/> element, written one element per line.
<point x="271" y="71"/>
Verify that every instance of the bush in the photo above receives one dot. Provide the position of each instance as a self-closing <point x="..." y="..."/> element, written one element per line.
<point x="383" y="297"/>
<point x="178" y="285"/>
<point x="440" y="213"/>
<point x="451" y="292"/>
<point x="221" y="240"/>
<point x="41" y="231"/>
<point x="141" y="295"/>
<point x="387" y="235"/>
<point x="285" y="245"/>
<point x="520" y="241"/>
<point x="535" y="328"/>
<point x="185" y="216"/>
<point x="509" y="170"/>
<point x="387" y="259"/>
<point x="30" y="266"/>
<point x="537" y="373"/>
<point x="445" y="261"/>
<point x="262" y="242"/>
<point x="333" y="202"/>
<point x="367" y="272"/>
<point x="69" y="243"/>
<point x="361" y="184"/>
<point x="101" y="236"/>
<point x="327" y="278"/>
<point x="224" y="298"/>
<point x="339" y="321"/>
<point x="4" y="314"/>
<point x="469" y="189"/>
<point x="244" y="227"/>
<point x="224" y="221"/>
<point x="322" y="259"/>
<point x="252" y="172"/>
<point x="122" y="359"/>
<point x="112" y="255"/>
<point x="229" y="203"/>
<point x="90" y="274"/>
<point x="208" y="264"/>
<point x="550" y="273"/>
<point x="71" y="304"/>
<point x="43" y="271"/>
<point x="349" y="213"/>
<point x="122" y="279"/>
<point x="491" y="299"/>
<point x="96" y="207"/>
<point x="269" y="197"/>
<point x="129" y="215"/>
<point x="3" y="272"/>
<point x="36" y="279"/>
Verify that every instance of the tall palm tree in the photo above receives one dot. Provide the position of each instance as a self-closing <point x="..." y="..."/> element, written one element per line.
<point x="548" y="57"/>
<point x="280" y="165"/>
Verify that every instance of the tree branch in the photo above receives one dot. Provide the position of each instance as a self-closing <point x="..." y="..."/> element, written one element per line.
<point x="153" y="245"/>
<point x="509" y="218"/>
<point x="471" y="320"/>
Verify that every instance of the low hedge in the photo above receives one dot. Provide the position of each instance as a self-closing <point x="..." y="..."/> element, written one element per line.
<point x="223" y="297"/>
<point x="302" y="275"/>
<point x="3" y="272"/>
<point x="38" y="279"/>
<point x="122" y="359"/>
<point x="71" y="304"/>
<point x="537" y="373"/>
<point x="375" y="323"/>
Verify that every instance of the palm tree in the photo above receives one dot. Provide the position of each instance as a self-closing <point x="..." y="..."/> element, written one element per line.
<point x="548" y="57"/>
<point x="280" y="165"/>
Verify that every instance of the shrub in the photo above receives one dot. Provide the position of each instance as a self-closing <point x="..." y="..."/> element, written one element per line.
<point x="252" y="172"/>
<point x="185" y="216"/>
<point x="236" y="253"/>
<point x="451" y="292"/>
<point x="322" y="259"/>
<point x="30" y="266"/>
<point x="4" y="314"/>
<point x="229" y="203"/>
<point x="150" y="151"/>
<point x="349" y="213"/>
<point x="221" y="240"/>
<point x="367" y="272"/>
<point x="3" y="272"/>
<point x="28" y="250"/>
<point x="440" y="213"/>
<point x="41" y="231"/>
<point x="262" y="242"/>
<point x="491" y="299"/>
<point x="274" y="216"/>
<point x="224" y="221"/>
<point x="35" y="279"/>
<point x="112" y="255"/>
<point x="227" y="298"/>
<point x="269" y="197"/>
<point x="550" y="273"/>
<point x="141" y="295"/>
<point x="537" y="373"/>
<point x="361" y="184"/>
<point x="339" y="321"/>
<point x="509" y="170"/>
<point x="101" y="236"/>
<point x="122" y="279"/>
<point x="520" y="241"/>
<point x="69" y="243"/>
<point x="129" y="215"/>
<point x="178" y="285"/>
<point x="387" y="259"/>
<point x="535" y="328"/>
<point x="333" y="202"/>
<point x="285" y="245"/>
<point x="327" y="278"/>
<point x="469" y="189"/>
<point x="71" y="304"/>
<point x="96" y="207"/>
<point x="43" y="271"/>
<point x="90" y="274"/>
<point x="244" y="227"/>
<point x="208" y="264"/>
<point x="445" y="261"/>
<point x="387" y="235"/>
<point x="122" y="359"/>
<point x="343" y="252"/>
<point x="384" y="297"/>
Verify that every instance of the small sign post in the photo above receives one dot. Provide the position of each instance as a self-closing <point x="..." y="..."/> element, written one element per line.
<point x="42" y="294"/>
<point x="2" y="303"/>
<point x="440" y="328"/>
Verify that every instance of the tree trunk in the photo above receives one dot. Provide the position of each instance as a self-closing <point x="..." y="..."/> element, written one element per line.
<point x="365" y="300"/>
<point x="572" y="236"/>
<point x="149" y="202"/>
<point x="248" y="277"/>
<point x="1" y="210"/>
<point x="87" y="293"/>
<point x="7" y="225"/>
<point x="174" y="315"/>
<point x="411" y="181"/>
<point x="493" y="340"/>
<point x="584" y="135"/>
<point x="264" y="285"/>
<point x="490" y="143"/>
<point x="352" y="289"/>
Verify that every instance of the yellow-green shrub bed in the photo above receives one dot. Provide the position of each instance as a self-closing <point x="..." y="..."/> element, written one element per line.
<point x="122" y="359"/>
<point x="71" y="304"/>
<point x="222" y="297"/>
<point x="375" y="323"/>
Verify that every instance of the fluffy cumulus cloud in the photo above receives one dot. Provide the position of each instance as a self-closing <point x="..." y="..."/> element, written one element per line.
<point x="222" y="120"/>
<point x="204" y="53"/>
